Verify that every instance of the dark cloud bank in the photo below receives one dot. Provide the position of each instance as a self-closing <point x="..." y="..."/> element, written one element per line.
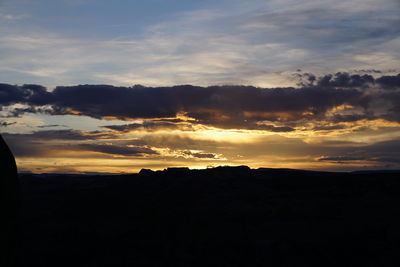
<point x="220" y="106"/>
<point x="227" y="107"/>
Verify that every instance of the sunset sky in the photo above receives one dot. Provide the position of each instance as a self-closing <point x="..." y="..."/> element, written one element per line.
<point x="96" y="86"/>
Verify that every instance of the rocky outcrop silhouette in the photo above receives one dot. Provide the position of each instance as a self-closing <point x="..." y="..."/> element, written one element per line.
<point x="9" y="201"/>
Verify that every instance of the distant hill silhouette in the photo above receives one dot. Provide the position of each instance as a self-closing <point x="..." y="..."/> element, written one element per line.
<point x="9" y="200"/>
<point x="224" y="216"/>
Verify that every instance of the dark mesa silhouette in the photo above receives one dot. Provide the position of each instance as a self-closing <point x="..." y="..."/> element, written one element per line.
<point x="9" y="201"/>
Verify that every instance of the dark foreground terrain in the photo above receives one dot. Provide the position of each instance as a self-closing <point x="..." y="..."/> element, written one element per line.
<point x="227" y="216"/>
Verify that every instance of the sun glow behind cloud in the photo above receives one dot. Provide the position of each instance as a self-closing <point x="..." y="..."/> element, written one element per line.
<point x="293" y="113"/>
<point x="336" y="122"/>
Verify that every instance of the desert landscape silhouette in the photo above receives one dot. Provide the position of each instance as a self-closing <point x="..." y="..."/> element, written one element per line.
<point x="223" y="216"/>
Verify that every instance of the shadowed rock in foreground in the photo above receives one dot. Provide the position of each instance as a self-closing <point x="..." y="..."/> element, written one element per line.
<point x="9" y="199"/>
<point x="226" y="216"/>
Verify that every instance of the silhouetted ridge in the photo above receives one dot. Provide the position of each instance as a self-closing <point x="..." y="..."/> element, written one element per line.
<point x="146" y="171"/>
<point x="247" y="170"/>
<point x="375" y="171"/>
<point x="177" y="171"/>
<point x="224" y="216"/>
<point x="232" y="169"/>
<point x="186" y="171"/>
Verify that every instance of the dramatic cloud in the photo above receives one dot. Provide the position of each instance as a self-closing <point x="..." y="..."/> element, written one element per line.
<point x="393" y="98"/>
<point x="50" y="142"/>
<point x="197" y="148"/>
<point x="201" y="155"/>
<point x="151" y="125"/>
<point x="33" y="94"/>
<point x="387" y="152"/>
<point x="343" y="79"/>
<point x="6" y="123"/>
<point x="228" y="107"/>
<point x="117" y="150"/>
<point x="59" y="135"/>
<point x="389" y="82"/>
<point x="236" y="107"/>
<point x="51" y="126"/>
<point x="352" y="117"/>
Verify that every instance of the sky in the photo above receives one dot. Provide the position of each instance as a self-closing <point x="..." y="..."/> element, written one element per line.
<point x="95" y="86"/>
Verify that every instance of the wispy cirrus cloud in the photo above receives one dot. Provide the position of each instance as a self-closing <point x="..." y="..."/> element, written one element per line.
<point x="257" y="43"/>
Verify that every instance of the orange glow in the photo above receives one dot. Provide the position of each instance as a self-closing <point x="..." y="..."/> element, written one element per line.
<point x="268" y="115"/>
<point x="203" y="146"/>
